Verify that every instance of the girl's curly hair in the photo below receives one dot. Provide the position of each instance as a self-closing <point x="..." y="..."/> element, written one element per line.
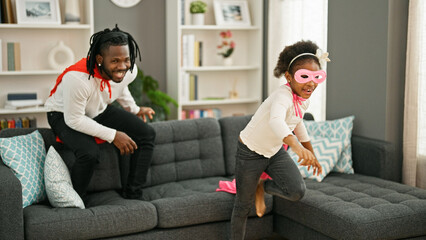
<point x="291" y="52"/>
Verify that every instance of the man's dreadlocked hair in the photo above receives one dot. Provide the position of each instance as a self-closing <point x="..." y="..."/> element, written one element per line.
<point x="102" y="40"/>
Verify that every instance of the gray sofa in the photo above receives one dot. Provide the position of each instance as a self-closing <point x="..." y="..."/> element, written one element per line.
<point x="190" y="158"/>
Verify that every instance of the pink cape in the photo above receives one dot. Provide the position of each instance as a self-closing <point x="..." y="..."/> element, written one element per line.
<point x="230" y="187"/>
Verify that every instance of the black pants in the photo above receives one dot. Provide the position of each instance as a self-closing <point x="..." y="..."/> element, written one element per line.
<point x="87" y="150"/>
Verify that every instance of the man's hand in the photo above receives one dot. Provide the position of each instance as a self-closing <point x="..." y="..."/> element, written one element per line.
<point x="124" y="143"/>
<point x="145" y="111"/>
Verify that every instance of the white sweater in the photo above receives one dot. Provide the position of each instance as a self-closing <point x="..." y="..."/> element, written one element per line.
<point x="273" y="121"/>
<point x="81" y="99"/>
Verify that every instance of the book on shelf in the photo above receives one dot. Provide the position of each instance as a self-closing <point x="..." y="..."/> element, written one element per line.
<point x="7" y="14"/>
<point x="193" y="87"/>
<point x="21" y="96"/>
<point x="185" y="18"/>
<point x="201" y="113"/>
<point x="1" y="54"/>
<point x="17" y="53"/>
<point x="10" y="56"/>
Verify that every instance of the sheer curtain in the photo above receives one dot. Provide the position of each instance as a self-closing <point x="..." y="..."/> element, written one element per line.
<point x="291" y="21"/>
<point x="414" y="142"/>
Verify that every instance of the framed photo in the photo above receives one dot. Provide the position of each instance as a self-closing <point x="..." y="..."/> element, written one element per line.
<point x="38" y="12"/>
<point x="228" y="12"/>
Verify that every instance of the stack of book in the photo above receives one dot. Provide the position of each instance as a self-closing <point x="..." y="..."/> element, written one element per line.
<point x="189" y="87"/>
<point x="16" y="101"/>
<point x="192" y="51"/>
<point x="13" y="53"/>
<point x="201" y="113"/>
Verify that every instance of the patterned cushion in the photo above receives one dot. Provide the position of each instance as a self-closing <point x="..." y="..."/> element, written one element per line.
<point x="341" y="129"/>
<point x="59" y="189"/>
<point x="25" y="155"/>
<point x="327" y="151"/>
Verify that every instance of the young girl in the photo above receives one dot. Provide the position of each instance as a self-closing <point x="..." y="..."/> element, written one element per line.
<point x="260" y="147"/>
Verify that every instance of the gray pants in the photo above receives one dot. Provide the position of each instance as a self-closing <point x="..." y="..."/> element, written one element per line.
<point x="287" y="183"/>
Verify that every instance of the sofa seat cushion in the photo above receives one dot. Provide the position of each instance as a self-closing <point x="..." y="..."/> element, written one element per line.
<point x="193" y="202"/>
<point x="107" y="214"/>
<point x="346" y="206"/>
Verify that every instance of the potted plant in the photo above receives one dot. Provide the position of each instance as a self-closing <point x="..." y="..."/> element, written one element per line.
<point x="197" y="10"/>
<point x="226" y="47"/>
<point x="144" y="90"/>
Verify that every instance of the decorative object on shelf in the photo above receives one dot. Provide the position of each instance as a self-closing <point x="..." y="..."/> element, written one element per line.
<point x="60" y="57"/>
<point x="226" y="47"/>
<point x="125" y="3"/>
<point x="144" y="90"/>
<point x="231" y="13"/>
<point x="233" y="94"/>
<point x="72" y="12"/>
<point x="197" y="10"/>
<point x="38" y="12"/>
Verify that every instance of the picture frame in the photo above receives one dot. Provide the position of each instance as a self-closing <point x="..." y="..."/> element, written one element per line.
<point x="234" y="13"/>
<point x="38" y="12"/>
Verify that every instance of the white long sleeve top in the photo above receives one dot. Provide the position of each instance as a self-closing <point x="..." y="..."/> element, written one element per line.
<point x="81" y="99"/>
<point x="273" y="121"/>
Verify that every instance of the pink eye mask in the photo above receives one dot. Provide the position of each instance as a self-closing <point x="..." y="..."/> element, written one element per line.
<point x="304" y="76"/>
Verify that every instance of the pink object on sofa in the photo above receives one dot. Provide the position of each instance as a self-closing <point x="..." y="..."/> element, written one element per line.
<point x="230" y="186"/>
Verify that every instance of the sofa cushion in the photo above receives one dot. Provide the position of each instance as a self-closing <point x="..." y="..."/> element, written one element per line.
<point x="25" y="155"/>
<point x="106" y="215"/>
<point x="106" y="175"/>
<point x="186" y="149"/>
<point x="193" y="202"/>
<point x="354" y="206"/>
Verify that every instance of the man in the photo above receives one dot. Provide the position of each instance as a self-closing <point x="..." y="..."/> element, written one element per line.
<point x="80" y="112"/>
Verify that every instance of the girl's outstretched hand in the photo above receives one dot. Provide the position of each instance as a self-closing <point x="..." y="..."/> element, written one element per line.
<point x="307" y="158"/>
<point x="305" y="153"/>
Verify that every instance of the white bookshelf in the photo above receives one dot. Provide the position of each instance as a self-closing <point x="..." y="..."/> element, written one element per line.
<point x="36" y="40"/>
<point x="215" y="80"/>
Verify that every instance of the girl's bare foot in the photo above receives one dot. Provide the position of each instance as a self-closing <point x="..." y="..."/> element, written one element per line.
<point x="260" y="199"/>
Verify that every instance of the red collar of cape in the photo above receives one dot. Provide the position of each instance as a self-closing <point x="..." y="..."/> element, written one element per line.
<point x="80" y="66"/>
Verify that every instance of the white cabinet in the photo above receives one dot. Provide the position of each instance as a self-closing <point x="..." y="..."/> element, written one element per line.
<point x="215" y="81"/>
<point x="36" y="41"/>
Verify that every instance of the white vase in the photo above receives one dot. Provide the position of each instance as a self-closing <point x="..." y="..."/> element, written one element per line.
<point x="72" y="12"/>
<point x="60" y="57"/>
<point x="227" y="61"/>
<point x="197" y="18"/>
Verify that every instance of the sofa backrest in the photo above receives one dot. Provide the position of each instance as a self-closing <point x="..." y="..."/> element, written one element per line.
<point x="230" y="130"/>
<point x="186" y="149"/>
<point x="107" y="173"/>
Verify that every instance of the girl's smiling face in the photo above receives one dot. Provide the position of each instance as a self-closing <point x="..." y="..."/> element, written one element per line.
<point x="303" y="90"/>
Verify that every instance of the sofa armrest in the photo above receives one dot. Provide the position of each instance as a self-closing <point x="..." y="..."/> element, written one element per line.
<point x="376" y="158"/>
<point x="11" y="212"/>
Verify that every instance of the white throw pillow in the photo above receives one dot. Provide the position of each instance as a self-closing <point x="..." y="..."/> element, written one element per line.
<point x="59" y="189"/>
